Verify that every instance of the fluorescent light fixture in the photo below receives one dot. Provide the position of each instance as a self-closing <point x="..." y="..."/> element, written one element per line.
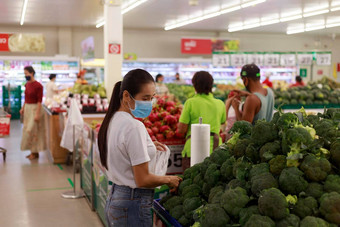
<point x="212" y="14"/>
<point x="313" y="28"/>
<point x="332" y="25"/>
<point x="23" y="13"/>
<point x="335" y="9"/>
<point x="316" y="13"/>
<point x="268" y="22"/>
<point x="251" y="3"/>
<point x="285" y="19"/>
<point x="100" y="24"/>
<point x="290" y="32"/>
<point x="316" y="8"/>
<point x="248" y="26"/>
<point x="235" y="29"/>
<point x="133" y="5"/>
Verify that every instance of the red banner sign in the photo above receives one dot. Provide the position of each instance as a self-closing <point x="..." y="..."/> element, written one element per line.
<point x="4" y="42"/>
<point x="22" y="42"/>
<point x="207" y="46"/>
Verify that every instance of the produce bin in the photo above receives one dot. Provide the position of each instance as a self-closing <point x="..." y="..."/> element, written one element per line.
<point x="161" y="214"/>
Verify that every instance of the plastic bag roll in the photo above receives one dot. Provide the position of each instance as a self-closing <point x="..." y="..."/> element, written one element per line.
<point x="200" y="143"/>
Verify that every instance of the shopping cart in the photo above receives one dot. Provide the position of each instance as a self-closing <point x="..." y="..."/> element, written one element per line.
<point x="5" y="125"/>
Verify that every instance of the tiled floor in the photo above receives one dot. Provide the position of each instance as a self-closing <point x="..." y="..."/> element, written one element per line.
<point x="30" y="191"/>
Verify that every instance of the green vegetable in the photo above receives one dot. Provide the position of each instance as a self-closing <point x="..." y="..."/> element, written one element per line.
<point x="315" y="190"/>
<point x="198" y="180"/>
<point x="335" y="153"/>
<point x="258" y="220"/>
<point x="204" y="165"/>
<point x="252" y="153"/>
<point x="212" y="175"/>
<point x="172" y="202"/>
<point x="177" y="212"/>
<point x="292" y="221"/>
<point x="189" y="205"/>
<point x="315" y="169"/>
<point x="330" y="207"/>
<point x="220" y="155"/>
<point x="261" y="182"/>
<point x="241" y="127"/>
<point x="246" y="213"/>
<point x="184" y="221"/>
<point x="239" y="183"/>
<point x="291" y="181"/>
<point x="273" y="203"/>
<point x="227" y="169"/>
<point x="270" y="150"/>
<point x="332" y="184"/>
<point x="277" y="164"/>
<point x="192" y="189"/>
<point x="258" y="169"/>
<point x="233" y="200"/>
<point x="240" y="147"/>
<point x="192" y="172"/>
<point x="291" y="199"/>
<point x="214" y="216"/>
<point x="184" y="184"/>
<point x="287" y="120"/>
<point x="215" y="191"/>
<point x="305" y="207"/>
<point x="310" y="221"/>
<point x="264" y="132"/>
<point x="241" y="169"/>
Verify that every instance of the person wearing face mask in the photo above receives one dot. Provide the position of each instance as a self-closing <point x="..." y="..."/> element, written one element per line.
<point x="259" y="103"/>
<point x="161" y="88"/>
<point x="33" y="135"/>
<point x="126" y="149"/>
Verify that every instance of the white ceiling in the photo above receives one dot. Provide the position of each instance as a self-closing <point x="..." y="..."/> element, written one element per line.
<point x="155" y="14"/>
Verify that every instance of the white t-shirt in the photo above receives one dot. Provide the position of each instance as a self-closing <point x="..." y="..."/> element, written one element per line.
<point x="129" y="144"/>
<point x="51" y="89"/>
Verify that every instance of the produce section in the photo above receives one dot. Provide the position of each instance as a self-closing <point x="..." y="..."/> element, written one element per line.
<point x="279" y="173"/>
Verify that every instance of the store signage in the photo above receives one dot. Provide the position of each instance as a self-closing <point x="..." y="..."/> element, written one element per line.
<point x="272" y="59"/>
<point x="324" y="58"/>
<point x="238" y="59"/>
<point x="255" y="59"/>
<point x="305" y="58"/>
<point x="303" y="72"/>
<point x="221" y="60"/>
<point x="22" y="42"/>
<point x="207" y="46"/>
<point x="87" y="47"/>
<point x="114" y="48"/>
<point x="288" y="59"/>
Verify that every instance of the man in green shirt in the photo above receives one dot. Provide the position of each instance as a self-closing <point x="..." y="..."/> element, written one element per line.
<point x="203" y="104"/>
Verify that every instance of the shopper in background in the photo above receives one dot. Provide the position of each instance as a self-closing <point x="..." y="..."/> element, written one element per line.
<point x="298" y="83"/>
<point x="81" y="78"/>
<point x="161" y="88"/>
<point x="267" y="82"/>
<point x="33" y="135"/>
<point x="259" y="103"/>
<point x="51" y="87"/>
<point x="203" y="104"/>
<point x="126" y="150"/>
<point x="178" y="80"/>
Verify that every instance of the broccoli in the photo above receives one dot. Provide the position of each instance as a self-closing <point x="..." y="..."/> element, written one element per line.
<point x="264" y="132"/>
<point x="310" y="221"/>
<point x="206" y="189"/>
<point x="227" y="169"/>
<point x="273" y="203"/>
<point x="212" y="175"/>
<point x="220" y="155"/>
<point x="233" y="140"/>
<point x="313" y="119"/>
<point x="258" y="169"/>
<point x="258" y="220"/>
<point x="335" y="153"/>
<point x="214" y="191"/>
<point x="263" y="181"/>
<point x="204" y="165"/>
<point x="172" y="202"/>
<point x="233" y="200"/>
<point x="189" y="205"/>
<point x="214" y="216"/>
<point x="270" y="150"/>
<point x="240" y="147"/>
<point x="246" y="213"/>
<point x="252" y="153"/>
<point x="239" y="183"/>
<point x="291" y="199"/>
<point x="184" y="184"/>
<point x="241" y="169"/>
<point x="198" y="180"/>
<point x="177" y="212"/>
<point x="287" y="120"/>
<point x="292" y="221"/>
<point x="241" y="127"/>
<point x="315" y="190"/>
<point x="332" y="184"/>
<point x="315" y="169"/>
<point x="192" y="172"/>
<point x="165" y="198"/>
<point x="193" y="189"/>
<point x="277" y="164"/>
<point x="327" y="130"/>
<point x="330" y="207"/>
<point x="184" y="221"/>
<point x="291" y="181"/>
<point x="305" y="207"/>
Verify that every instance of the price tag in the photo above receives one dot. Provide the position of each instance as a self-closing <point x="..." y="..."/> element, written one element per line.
<point x="221" y="60"/>
<point x="238" y="59"/>
<point x="323" y="59"/>
<point x="271" y="59"/>
<point x="288" y="60"/>
<point x="175" y="159"/>
<point x="305" y="59"/>
<point x="256" y="59"/>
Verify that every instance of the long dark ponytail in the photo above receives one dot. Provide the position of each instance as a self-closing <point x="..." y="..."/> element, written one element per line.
<point x="132" y="82"/>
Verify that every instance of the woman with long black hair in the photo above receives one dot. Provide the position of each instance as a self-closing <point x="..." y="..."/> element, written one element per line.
<point x="126" y="150"/>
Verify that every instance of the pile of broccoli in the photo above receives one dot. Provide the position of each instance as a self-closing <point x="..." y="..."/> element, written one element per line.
<point x="280" y="173"/>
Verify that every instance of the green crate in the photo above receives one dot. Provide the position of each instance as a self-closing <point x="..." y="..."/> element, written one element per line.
<point x="15" y="113"/>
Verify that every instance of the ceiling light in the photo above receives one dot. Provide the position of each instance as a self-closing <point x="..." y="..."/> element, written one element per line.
<point x="133" y="5"/>
<point x="335" y="9"/>
<point x="212" y="14"/>
<point x="290" y="32"/>
<point x="100" y="24"/>
<point x="335" y="3"/>
<point x="313" y="28"/>
<point x="248" y="26"/>
<point x="316" y="8"/>
<point x="23" y="13"/>
<point x="285" y="19"/>
<point x="252" y="3"/>
<point x="332" y="25"/>
<point x="268" y="22"/>
<point x="316" y="13"/>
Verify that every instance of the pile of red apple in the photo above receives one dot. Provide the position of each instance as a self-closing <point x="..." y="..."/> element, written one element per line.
<point x="162" y="122"/>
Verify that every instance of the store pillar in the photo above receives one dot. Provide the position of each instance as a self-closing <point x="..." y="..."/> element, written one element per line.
<point x="113" y="42"/>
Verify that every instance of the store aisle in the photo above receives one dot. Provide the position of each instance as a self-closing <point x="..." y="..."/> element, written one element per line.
<point x="30" y="190"/>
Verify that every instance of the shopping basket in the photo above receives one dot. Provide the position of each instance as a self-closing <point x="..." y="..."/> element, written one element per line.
<point x="5" y="125"/>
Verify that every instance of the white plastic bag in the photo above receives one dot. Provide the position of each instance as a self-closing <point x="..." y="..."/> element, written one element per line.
<point x="159" y="164"/>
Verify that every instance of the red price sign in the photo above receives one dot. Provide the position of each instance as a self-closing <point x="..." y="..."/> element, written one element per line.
<point x="114" y="48"/>
<point x="4" y="42"/>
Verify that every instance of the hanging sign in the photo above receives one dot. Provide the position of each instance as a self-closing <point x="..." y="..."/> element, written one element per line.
<point x="238" y="59"/>
<point x="288" y="59"/>
<point x="87" y="48"/>
<point x="303" y="72"/>
<point x="221" y="60"/>
<point x="255" y="58"/>
<point x="271" y="59"/>
<point x="305" y="58"/>
<point x="22" y="42"/>
<point x="207" y="46"/>
<point x="324" y="58"/>
<point x="114" y="48"/>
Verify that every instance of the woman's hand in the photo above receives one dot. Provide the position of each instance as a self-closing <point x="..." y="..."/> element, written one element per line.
<point x="160" y="146"/>
<point x="37" y="117"/>
<point x="174" y="182"/>
<point x="21" y="111"/>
